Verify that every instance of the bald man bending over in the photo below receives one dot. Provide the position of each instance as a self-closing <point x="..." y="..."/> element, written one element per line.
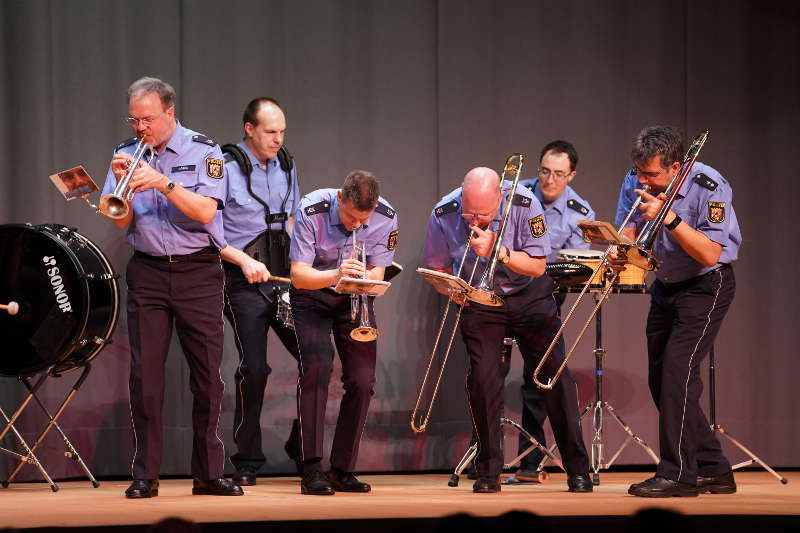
<point x="528" y="309"/>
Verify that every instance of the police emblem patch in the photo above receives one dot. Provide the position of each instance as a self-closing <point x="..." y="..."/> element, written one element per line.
<point x="716" y="212"/>
<point x="392" y="244"/>
<point x="214" y="167"/>
<point x="537" y="225"/>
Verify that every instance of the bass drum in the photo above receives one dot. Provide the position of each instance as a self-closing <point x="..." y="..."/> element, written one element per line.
<point x="68" y="299"/>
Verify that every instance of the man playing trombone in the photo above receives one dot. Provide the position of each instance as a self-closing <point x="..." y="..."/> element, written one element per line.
<point x="469" y="216"/>
<point x="328" y="223"/>
<point x="689" y="299"/>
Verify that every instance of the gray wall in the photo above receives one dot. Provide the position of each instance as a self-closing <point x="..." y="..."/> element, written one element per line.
<point x="419" y="92"/>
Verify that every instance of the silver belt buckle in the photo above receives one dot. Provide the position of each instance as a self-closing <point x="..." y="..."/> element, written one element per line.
<point x="170" y="260"/>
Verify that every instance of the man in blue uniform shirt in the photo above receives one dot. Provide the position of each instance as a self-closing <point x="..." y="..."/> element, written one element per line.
<point x="563" y="208"/>
<point x="689" y="299"/>
<point x="261" y="194"/>
<point x="175" y="275"/>
<point x="326" y="224"/>
<point x="528" y="311"/>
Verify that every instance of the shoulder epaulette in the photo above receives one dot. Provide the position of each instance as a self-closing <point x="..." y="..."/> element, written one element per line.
<point x="320" y="207"/>
<point x="203" y="139"/>
<point x="449" y="207"/>
<point x="519" y="199"/>
<point x="577" y="206"/>
<point x="126" y="142"/>
<point x="529" y="186"/>
<point x="704" y="181"/>
<point x="385" y="210"/>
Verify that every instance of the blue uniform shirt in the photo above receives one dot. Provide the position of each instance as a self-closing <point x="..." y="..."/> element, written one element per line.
<point x="158" y="227"/>
<point x="322" y="241"/>
<point x="705" y="203"/>
<point x="244" y="217"/>
<point x="562" y="218"/>
<point x="448" y="233"/>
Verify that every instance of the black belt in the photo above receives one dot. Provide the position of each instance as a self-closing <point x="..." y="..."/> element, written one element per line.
<point x="207" y="254"/>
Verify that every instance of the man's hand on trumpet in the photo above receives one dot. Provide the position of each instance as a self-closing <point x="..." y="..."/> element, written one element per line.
<point x="482" y="241"/>
<point x="651" y="205"/>
<point x="352" y="268"/>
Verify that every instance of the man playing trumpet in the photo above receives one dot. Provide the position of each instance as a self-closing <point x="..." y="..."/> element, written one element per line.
<point x="327" y="223"/>
<point x="528" y="310"/>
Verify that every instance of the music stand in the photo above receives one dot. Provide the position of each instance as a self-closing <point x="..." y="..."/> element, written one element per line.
<point x="717" y="428"/>
<point x="30" y="455"/>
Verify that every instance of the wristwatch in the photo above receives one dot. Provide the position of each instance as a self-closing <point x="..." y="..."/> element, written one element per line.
<point x="170" y="187"/>
<point x="674" y="224"/>
<point x="507" y="258"/>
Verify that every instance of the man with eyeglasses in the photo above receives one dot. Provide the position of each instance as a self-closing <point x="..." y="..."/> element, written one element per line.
<point x="693" y="290"/>
<point x="529" y="312"/>
<point x="175" y="276"/>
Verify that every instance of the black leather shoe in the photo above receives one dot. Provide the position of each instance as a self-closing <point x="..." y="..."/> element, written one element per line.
<point x="346" y="482"/>
<point x="142" y="488"/>
<point x="216" y="487"/>
<point x="244" y="477"/>
<point x="315" y="482"/>
<point x="661" y="487"/>
<point x="487" y="485"/>
<point x="721" y="484"/>
<point x="579" y="483"/>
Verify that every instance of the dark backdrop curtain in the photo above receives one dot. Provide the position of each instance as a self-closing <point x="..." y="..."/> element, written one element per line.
<point x="419" y="92"/>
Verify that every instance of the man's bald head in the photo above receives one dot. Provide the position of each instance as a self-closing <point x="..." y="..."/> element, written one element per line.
<point x="480" y="195"/>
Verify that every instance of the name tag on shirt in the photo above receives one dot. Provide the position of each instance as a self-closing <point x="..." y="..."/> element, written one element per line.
<point x="184" y="168"/>
<point x="277" y="217"/>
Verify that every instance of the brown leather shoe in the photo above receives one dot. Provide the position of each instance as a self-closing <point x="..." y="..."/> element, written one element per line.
<point x="142" y="488"/>
<point x="216" y="487"/>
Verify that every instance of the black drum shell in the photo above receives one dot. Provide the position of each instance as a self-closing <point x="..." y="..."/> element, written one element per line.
<point x="66" y="316"/>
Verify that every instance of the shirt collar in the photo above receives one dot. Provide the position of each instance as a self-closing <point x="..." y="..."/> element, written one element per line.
<point x="253" y="160"/>
<point x="176" y="142"/>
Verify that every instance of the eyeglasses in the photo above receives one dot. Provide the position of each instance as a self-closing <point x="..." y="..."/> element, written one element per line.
<point x="641" y="173"/>
<point x="558" y="175"/>
<point x="144" y="121"/>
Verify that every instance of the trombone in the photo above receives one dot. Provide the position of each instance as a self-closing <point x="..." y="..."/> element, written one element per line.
<point x="482" y="294"/>
<point x="116" y="205"/>
<point x="364" y="332"/>
<point x="639" y="253"/>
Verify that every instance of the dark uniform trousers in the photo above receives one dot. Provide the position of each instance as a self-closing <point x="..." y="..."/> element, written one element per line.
<point x="188" y="294"/>
<point x="316" y="314"/>
<point x="251" y="310"/>
<point x="683" y="321"/>
<point x="531" y="316"/>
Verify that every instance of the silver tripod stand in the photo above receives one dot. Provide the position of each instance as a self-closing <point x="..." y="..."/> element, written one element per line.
<point x="716" y="428"/>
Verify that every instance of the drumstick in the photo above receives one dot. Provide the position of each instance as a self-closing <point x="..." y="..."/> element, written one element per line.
<point x="279" y="278"/>
<point x="12" y="307"/>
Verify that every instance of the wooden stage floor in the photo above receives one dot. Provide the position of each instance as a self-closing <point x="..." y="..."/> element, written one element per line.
<point x="78" y="504"/>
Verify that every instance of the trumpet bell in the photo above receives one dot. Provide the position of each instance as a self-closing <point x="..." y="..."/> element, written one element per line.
<point x="365" y="334"/>
<point x="114" y="206"/>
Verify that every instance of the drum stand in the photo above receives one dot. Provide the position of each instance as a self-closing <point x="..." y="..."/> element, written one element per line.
<point x="716" y="428"/>
<point x="30" y="456"/>
<point x="598" y="405"/>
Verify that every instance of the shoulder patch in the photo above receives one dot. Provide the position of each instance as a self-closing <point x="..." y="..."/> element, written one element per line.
<point x="214" y="167"/>
<point x="716" y="212"/>
<point x="537" y="225"/>
<point x="385" y="210"/>
<point x="320" y="207"/>
<point x="704" y="181"/>
<point x="449" y="207"/>
<point x="126" y="142"/>
<point x="518" y="199"/>
<point x="577" y="206"/>
<point x="203" y="139"/>
<point x="392" y="243"/>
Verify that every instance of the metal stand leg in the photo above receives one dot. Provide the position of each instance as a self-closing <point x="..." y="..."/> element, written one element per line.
<point x="30" y="458"/>
<point x="598" y="405"/>
<point x="719" y="429"/>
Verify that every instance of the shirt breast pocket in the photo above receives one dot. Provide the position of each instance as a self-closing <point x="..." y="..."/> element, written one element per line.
<point x="187" y="177"/>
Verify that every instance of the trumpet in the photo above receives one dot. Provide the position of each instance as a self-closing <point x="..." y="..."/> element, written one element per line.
<point x="116" y="205"/>
<point x="483" y="294"/>
<point x="364" y="332"/>
<point x="639" y="253"/>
